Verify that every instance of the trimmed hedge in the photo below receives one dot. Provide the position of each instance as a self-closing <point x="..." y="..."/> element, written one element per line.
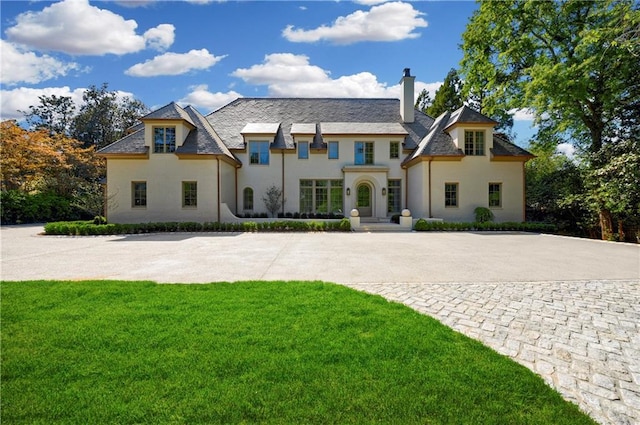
<point x="88" y="228"/>
<point x="423" y="225"/>
<point x="17" y="207"/>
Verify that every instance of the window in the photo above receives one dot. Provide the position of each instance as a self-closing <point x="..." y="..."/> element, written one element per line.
<point x="495" y="195"/>
<point x="363" y="153"/>
<point x="394" y="196"/>
<point x="190" y="194"/>
<point x="164" y="139"/>
<point x="394" y="150"/>
<point x="474" y="142"/>
<point x="247" y="198"/>
<point x="333" y="150"/>
<point x="451" y="195"/>
<point x="138" y="194"/>
<point x="259" y="152"/>
<point x="323" y="196"/>
<point x="303" y="150"/>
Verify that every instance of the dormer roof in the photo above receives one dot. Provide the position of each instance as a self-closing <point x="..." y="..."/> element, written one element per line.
<point x="466" y="115"/>
<point x="171" y="111"/>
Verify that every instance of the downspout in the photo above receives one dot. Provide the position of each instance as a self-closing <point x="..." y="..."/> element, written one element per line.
<point x="524" y="192"/>
<point x="282" y="153"/>
<point x="430" y="215"/>
<point x="218" y="160"/>
<point x="406" y="188"/>
<point x="236" y="171"/>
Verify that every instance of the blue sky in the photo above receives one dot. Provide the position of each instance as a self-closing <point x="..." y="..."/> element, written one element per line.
<point x="207" y="53"/>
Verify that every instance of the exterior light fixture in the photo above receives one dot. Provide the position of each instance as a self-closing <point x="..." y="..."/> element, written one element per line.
<point x="384" y="191"/>
<point x="348" y="192"/>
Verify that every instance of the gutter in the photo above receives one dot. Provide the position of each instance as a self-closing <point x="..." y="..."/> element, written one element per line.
<point x="218" y="161"/>
<point x="430" y="214"/>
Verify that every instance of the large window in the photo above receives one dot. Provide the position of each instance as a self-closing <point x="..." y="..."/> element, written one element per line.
<point x="320" y="196"/>
<point x="164" y="139"/>
<point x="247" y="198"/>
<point x="333" y="150"/>
<point x="139" y="194"/>
<point x="474" y="142"/>
<point x="363" y="153"/>
<point x="451" y="195"/>
<point x="495" y="195"/>
<point x="259" y="152"/>
<point x="394" y="196"/>
<point x="303" y="150"/>
<point x="394" y="150"/>
<point x="190" y="194"/>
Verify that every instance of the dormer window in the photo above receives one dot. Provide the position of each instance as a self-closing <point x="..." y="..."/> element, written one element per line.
<point x="259" y="152"/>
<point x="474" y="143"/>
<point x="164" y="139"/>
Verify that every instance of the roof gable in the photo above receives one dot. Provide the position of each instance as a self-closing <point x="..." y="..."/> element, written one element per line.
<point x="466" y="115"/>
<point x="169" y="112"/>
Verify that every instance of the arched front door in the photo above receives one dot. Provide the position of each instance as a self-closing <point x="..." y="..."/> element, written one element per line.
<point x="363" y="203"/>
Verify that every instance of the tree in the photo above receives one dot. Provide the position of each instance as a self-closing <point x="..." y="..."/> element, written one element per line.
<point x="573" y="64"/>
<point x="54" y="114"/>
<point x="448" y="96"/>
<point x="103" y="118"/>
<point x="36" y="161"/>
<point x="273" y="200"/>
<point x="424" y="101"/>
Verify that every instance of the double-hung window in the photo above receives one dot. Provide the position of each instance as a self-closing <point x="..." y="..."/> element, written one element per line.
<point x="303" y="150"/>
<point x="189" y="194"/>
<point x="363" y="153"/>
<point x="138" y="194"/>
<point x="164" y="139"/>
<point x="332" y="150"/>
<point x="495" y="195"/>
<point x="259" y="152"/>
<point x="394" y="150"/>
<point x="474" y="142"/>
<point x="451" y="195"/>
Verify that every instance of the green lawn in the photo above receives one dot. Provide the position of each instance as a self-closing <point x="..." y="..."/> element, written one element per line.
<point x="253" y="352"/>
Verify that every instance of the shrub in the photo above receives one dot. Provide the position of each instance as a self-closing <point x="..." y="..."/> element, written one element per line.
<point x="421" y="225"/>
<point x="483" y="214"/>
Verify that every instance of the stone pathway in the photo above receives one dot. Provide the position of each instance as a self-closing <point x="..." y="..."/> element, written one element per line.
<point x="582" y="337"/>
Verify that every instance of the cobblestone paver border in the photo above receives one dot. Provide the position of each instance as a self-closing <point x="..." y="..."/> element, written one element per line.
<point x="582" y="337"/>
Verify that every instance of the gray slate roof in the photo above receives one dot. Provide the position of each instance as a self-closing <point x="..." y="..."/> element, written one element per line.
<point x="203" y="139"/>
<point x="466" y="115"/>
<point x="230" y="119"/>
<point x="169" y="112"/>
<point x="503" y="147"/>
<point x="132" y="143"/>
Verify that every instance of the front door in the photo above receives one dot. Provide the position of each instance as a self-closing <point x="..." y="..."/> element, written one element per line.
<point x="364" y="200"/>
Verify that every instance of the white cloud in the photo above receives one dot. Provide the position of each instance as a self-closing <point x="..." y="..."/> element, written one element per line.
<point x="27" y="67"/>
<point x="566" y="149"/>
<point x="160" y="37"/>
<point x="19" y="99"/>
<point x="174" y="63"/>
<point x="203" y="100"/>
<point x="289" y="75"/>
<point x="370" y="2"/>
<point x="522" y="114"/>
<point x="75" y="27"/>
<point x="135" y="3"/>
<point x="386" y="22"/>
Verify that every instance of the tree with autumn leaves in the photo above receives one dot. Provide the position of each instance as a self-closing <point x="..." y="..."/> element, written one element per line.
<point x="39" y="168"/>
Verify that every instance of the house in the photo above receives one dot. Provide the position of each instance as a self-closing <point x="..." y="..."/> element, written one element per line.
<point x="379" y="156"/>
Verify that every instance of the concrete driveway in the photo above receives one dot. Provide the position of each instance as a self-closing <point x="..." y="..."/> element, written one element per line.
<point x="566" y="308"/>
<point x="337" y="257"/>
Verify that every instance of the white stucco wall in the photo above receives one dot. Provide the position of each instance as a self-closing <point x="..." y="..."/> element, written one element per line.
<point x="473" y="175"/>
<point x="164" y="174"/>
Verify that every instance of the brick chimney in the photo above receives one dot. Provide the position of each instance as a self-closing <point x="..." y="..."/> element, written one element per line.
<point x="407" y="102"/>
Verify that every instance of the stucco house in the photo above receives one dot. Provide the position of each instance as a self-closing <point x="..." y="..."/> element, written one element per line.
<point x="379" y="156"/>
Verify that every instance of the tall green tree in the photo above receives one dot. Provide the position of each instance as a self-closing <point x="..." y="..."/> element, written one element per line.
<point x="574" y="64"/>
<point x="104" y="118"/>
<point x="448" y="96"/>
<point x="53" y="114"/>
<point x="424" y="101"/>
